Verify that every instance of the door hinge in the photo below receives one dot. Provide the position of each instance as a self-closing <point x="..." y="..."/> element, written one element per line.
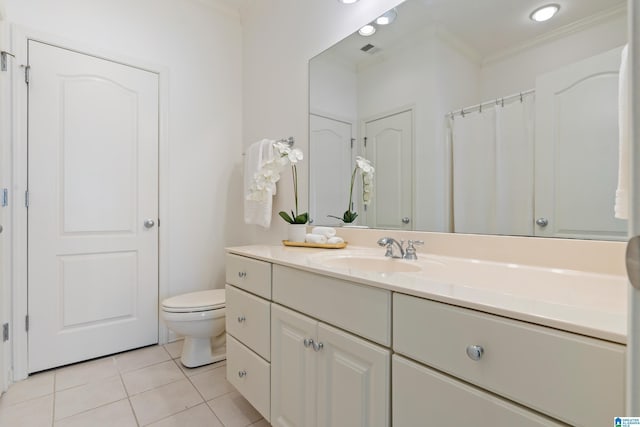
<point x="3" y="59"/>
<point x="5" y="332"/>
<point x="5" y="197"/>
<point x="26" y="199"/>
<point x="26" y="323"/>
<point x="27" y="73"/>
<point x="365" y="142"/>
<point x="353" y="140"/>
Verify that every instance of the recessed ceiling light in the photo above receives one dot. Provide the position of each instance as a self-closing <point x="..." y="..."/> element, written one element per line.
<point x="544" y="13"/>
<point x="367" y="30"/>
<point x="347" y="1"/>
<point x="387" y="18"/>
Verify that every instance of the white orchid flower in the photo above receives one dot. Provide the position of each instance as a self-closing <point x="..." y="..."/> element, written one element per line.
<point x="294" y="156"/>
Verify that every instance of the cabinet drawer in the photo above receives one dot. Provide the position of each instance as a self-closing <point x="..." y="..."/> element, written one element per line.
<point x="248" y="320"/>
<point x="249" y="274"/>
<point x="422" y="396"/>
<point x="360" y="309"/>
<point x="250" y="374"/>
<point x="575" y="379"/>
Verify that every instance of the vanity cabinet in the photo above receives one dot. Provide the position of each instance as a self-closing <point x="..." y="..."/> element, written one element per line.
<point x="323" y="376"/>
<point x="572" y="378"/>
<point x="248" y="319"/>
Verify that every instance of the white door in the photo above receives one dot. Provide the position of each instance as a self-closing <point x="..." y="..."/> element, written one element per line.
<point x="293" y="378"/>
<point x="353" y="381"/>
<point x="576" y="146"/>
<point x="330" y="166"/>
<point x="93" y="207"/>
<point x="389" y="146"/>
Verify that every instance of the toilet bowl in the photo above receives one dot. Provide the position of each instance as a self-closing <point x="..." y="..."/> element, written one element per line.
<point x="200" y="318"/>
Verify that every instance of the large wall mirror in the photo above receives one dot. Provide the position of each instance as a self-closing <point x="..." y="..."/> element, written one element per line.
<point x="476" y="118"/>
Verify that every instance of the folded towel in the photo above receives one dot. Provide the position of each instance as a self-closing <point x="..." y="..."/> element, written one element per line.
<point x="315" y="238"/>
<point x="624" y="121"/>
<point x="335" y="240"/>
<point x="257" y="207"/>
<point x="325" y="231"/>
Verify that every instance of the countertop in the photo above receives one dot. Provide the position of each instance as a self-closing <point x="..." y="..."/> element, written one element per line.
<point x="585" y="303"/>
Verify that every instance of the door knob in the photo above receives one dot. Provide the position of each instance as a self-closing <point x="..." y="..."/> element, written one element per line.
<point x="148" y="223"/>
<point x="542" y="222"/>
<point x="406" y="220"/>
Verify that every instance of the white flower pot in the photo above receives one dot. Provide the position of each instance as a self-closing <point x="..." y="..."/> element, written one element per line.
<point x="296" y="232"/>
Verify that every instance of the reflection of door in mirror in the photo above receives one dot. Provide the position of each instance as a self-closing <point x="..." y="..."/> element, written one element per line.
<point x="389" y="146"/>
<point x="330" y="162"/>
<point x="576" y="134"/>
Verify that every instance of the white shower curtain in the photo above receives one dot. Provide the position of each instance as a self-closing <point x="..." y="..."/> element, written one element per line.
<point x="493" y="169"/>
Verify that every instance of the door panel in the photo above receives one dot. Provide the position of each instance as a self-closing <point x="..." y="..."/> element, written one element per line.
<point x="570" y="146"/>
<point x="93" y="180"/>
<point x="329" y="151"/>
<point x="390" y="149"/>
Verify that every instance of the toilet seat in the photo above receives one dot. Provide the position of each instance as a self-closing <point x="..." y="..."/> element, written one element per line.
<point x="195" y="302"/>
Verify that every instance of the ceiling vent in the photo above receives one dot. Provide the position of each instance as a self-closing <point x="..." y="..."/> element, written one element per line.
<point x="370" y="49"/>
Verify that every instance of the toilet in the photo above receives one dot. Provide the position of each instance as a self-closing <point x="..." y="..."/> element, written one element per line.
<point x="200" y="318"/>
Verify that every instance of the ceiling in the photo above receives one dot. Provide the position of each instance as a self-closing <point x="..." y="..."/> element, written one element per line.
<point x="485" y="27"/>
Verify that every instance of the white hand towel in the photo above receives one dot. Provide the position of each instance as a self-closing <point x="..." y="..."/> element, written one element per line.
<point x="257" y="211"/>
<point x="325" y="231"/>
<point x="315" y="238"/>
<point x="624" y="121"/>
<point x="335" y="240"/>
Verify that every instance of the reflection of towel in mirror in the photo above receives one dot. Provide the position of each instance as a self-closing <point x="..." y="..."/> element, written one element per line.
<point x="257" y="211"/>
<point x="622" y="195"/>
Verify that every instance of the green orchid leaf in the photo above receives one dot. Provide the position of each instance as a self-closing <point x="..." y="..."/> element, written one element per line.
<point x="286" y="217"/>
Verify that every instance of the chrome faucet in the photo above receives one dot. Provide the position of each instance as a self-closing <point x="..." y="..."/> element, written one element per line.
<point x="388" y="242"/>
<point x="409" y="253"/>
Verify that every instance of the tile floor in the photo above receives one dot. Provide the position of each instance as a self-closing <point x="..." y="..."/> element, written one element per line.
<point x="145" y="387"/>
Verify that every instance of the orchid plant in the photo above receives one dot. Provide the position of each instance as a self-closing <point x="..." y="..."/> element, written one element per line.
<point x="264" y="182"/>
<point x="367" y="171"/>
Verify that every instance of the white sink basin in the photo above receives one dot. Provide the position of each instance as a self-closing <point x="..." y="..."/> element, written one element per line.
<point x="379" y="264"/>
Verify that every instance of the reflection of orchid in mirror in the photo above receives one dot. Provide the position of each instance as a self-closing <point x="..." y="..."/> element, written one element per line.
<point x="367" y="171"/>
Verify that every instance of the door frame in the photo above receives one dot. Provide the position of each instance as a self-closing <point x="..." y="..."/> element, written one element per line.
<point x="19" y="162"/>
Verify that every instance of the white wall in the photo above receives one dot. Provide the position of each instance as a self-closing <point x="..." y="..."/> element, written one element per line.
<point x="199" y="44"/>
<point x="280" y="36"/>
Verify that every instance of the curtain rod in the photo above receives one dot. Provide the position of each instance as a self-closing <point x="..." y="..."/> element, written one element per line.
<point x="499" y="101"/>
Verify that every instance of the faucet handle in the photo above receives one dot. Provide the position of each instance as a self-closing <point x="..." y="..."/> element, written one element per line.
<point x="410" y="252"/>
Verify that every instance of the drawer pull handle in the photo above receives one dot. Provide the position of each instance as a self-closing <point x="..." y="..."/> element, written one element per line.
<point x="242" y="374"/>
<point x="475" y="352"/>
<point x="308" y="342"/>
<point x="318" y="346"/>
<point x="242" y="274"/>
<point x="241" y="319"/>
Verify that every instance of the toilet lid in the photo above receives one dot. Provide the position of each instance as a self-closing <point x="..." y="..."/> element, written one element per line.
<point x="195" y="301"/>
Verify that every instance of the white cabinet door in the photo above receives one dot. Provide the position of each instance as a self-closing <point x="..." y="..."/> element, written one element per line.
<point x="293" y="377"/>
<point x="424" y="397"/>
<point x="576" y="144"/>
<point x="93" y="207"/>
<point x="353" y="380"/>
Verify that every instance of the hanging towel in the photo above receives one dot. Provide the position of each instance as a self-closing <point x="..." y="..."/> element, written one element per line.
<point x="257" y="211"/>
<point x="624" y="121"/>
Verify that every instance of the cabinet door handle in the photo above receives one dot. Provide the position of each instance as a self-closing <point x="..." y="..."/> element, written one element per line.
<point x="308" y="342"/>
<point x="241" y="319"/>
<point x="242" y="274"/>
<point x="317" y="346"/>
<point x="475" y="352"/>
<point x="242" y="374"/>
